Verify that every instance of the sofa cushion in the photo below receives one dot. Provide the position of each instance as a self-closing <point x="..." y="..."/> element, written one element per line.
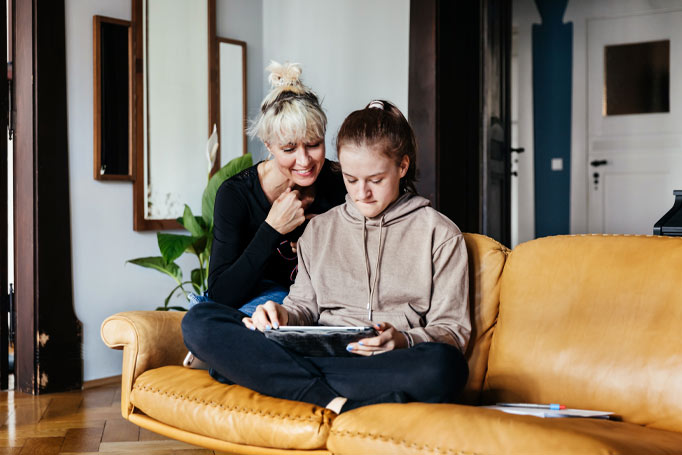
<point x="193" y="401"/>
<point x="486" y="261"/>
<point x="420" y="428"/>
<point x="592" y="322"/>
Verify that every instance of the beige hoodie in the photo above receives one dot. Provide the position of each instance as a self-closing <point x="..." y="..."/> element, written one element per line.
<point x="407" y="266"/>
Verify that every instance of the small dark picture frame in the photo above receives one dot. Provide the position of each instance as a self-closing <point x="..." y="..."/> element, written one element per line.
<point x="113" y="114"/>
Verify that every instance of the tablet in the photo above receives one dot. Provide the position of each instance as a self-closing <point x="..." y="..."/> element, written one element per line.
<point x="322" y="328"/>
<point x="319" y="340"/>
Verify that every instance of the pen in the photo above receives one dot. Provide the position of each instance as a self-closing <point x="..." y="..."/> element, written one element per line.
<point x="552" y="406"/>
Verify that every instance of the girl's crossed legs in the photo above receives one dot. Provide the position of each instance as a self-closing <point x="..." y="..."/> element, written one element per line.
<point x="427" y="372"/>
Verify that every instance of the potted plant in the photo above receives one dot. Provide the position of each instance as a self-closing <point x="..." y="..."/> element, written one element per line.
<point x="200" y="238"/>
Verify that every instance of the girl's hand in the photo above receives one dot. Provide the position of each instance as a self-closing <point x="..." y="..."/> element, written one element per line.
<point x="389" y="338"/>
<point x="286" y="213"/>
<point x="268" y="316"/>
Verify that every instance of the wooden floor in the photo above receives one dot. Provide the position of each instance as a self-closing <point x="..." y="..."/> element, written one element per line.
<point x="84" y="422"/>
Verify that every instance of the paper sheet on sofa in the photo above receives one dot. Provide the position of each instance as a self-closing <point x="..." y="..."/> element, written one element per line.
<point x="550" y="413"/>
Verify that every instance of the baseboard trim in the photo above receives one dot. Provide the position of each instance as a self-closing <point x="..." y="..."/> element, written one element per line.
<point x="102" y="381"/>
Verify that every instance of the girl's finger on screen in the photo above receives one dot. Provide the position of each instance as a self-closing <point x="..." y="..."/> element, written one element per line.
<point x="260" y="318"/>
<point x="271" y="313"/>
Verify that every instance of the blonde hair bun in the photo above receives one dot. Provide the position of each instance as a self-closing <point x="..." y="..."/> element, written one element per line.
<point x="290" y="111"/>
<point x="285" y="76"/>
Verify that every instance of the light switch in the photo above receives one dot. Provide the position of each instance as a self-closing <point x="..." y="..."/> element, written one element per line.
<point x="557" y="164"/>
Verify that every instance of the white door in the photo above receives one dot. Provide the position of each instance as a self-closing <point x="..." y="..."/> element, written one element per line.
<point x="634" y="160"/>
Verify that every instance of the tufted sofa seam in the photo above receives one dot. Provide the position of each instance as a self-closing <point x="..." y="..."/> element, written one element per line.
<point x="228" y="408"/>
<point x="402" y="442"/>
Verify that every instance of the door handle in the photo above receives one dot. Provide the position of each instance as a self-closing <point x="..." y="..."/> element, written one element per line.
<point x="517" y="149"/>
<point x="597" y="163"/>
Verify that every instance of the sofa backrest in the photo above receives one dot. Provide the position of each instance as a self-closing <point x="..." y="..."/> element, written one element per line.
<point x="592" y="322"/>
<point x="486" y="261"/>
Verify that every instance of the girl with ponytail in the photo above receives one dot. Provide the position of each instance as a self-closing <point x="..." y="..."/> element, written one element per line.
<point x="383" y="259"/>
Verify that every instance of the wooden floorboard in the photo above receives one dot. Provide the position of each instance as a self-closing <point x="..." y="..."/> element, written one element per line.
<point x="146" y="435"/>
<point x="120" y="431"/>
<point x="82" y="440"/>
<point x="42" y="446"/>
<point x="78" y="423"/>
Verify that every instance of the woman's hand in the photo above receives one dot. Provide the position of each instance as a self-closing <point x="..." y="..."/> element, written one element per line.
<point x="389" y="338"/>
<point x="286" y="213"/>
<point x="267" y="316"/>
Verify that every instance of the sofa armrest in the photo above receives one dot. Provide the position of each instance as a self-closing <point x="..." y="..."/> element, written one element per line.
<point x="149" y="339"/>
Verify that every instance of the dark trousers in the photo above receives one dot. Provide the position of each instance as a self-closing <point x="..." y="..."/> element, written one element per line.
<point x="428" y="372"/>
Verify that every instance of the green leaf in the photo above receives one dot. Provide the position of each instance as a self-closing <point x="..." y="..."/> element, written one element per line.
<point x="197" y="280"/>
<point x="176" y="308"/>
<point x="202" y="223"/>
<point x="200" y="220"/>
<point x="205" y="256"/>
<point x="173" y="245"/>
<point x="179" y="286"/>
<point x="209" y="244"/>
<point x="158" y="263"/>
<point x="189" y="221"/>
<point x="165" y="302"/>
<point x="198" y="245"/>
<point x="234" y="167"/>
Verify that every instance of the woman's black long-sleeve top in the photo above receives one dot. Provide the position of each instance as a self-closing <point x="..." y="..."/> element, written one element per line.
<point x="245" y="248"/>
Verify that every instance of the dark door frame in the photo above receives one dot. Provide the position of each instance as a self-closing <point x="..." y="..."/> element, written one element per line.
<point x="48" y="339"/>
<point x="459" y="107"/>
<point x="4" y="278"/>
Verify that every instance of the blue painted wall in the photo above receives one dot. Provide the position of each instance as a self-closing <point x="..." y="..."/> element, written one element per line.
<point x="552" y="79"/>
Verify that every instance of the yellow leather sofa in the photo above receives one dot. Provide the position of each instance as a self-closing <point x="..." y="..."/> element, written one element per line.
<point x="592" y="322"/>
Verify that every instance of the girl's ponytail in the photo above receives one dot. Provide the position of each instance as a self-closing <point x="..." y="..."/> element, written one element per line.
<point x="381" y="124"/>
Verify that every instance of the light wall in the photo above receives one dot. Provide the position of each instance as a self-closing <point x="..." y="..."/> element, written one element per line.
<point x="243" y="20"/>
<point x="351" y="52"/>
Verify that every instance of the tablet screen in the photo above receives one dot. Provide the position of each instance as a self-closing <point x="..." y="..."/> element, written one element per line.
<point x="319" y="340"/>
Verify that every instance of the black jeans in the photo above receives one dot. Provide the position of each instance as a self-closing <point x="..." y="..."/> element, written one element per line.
<point x="428" y="372"/>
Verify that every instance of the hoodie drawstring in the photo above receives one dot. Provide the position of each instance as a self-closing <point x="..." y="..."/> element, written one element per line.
<point x="371" y="287"/>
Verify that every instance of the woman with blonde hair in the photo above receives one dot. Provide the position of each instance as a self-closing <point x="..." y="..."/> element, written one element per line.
<point x="260" y="213"/>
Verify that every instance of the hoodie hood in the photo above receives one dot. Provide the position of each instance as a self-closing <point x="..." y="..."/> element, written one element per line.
<point x="398" y="210"/>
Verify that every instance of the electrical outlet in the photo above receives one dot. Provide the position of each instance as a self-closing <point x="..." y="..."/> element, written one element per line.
<point x="557" y="164"/>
